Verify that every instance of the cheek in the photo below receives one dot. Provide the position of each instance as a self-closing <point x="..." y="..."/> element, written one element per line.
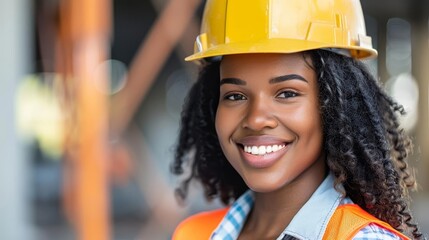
<point x="221" y="125"/>
<point x="226" y="123"/>
<point x="311" y="129"/>
<point x="217" y="126"/>
<point x="305" y="122"/>
<point x="222" y="131"/>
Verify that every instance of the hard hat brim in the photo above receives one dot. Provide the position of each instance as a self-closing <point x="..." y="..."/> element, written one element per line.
<point x="278" y="46"/>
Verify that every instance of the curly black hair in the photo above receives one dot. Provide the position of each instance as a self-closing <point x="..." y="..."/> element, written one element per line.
<point x="365" y="147"/>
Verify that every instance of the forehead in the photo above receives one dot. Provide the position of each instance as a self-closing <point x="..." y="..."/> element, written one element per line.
<point x="264" y="64"/>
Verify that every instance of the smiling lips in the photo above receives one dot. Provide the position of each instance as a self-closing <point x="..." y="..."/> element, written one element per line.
<point x="262" y="151"/>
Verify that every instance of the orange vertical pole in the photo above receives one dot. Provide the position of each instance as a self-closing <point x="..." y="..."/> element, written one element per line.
<point x="90" y="27"/>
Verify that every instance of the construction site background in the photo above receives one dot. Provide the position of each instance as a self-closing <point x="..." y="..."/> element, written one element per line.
<point x="90" y="98"/>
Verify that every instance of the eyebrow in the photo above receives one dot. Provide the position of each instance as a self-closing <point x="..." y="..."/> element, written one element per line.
<point x="287" y="77"/>
<point x="237" y="81"/>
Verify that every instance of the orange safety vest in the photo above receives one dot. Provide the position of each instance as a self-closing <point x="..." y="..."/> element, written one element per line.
<point x="345" y="223"/>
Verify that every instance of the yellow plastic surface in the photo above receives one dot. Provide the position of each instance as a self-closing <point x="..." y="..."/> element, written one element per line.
<point x="282" y="26"/>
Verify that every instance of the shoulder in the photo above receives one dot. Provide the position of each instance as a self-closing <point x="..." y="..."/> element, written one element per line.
<point x="349" y="221"/>
<point x="375" y="232"/>
<point x="199" y="226"/>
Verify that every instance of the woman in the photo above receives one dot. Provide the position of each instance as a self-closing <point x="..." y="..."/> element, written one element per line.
<point x="287" y="125"/>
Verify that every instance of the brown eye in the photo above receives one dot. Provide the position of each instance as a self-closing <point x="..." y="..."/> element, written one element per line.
<point x="288" y="94"/>
<point x="235" y="97"/>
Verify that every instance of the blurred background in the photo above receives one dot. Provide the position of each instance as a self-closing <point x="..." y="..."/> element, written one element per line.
<point x="90" y="99"/>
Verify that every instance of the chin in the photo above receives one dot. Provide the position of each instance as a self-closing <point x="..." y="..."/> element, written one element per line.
<point x="265" y="186"/>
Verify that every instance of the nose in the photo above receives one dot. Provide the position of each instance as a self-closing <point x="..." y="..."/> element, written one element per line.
<point x="259" y="115"/>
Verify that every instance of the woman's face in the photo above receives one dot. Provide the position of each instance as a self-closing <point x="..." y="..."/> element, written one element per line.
<point x="268" y="120"/>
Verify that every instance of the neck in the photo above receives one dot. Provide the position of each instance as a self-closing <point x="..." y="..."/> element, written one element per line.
<point x="273" y="211"/>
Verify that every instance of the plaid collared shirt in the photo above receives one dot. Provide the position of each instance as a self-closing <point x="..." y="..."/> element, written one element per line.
<point x="233" y="222"/>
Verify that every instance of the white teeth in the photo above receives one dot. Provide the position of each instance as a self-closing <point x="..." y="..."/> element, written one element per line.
<point x="275" y="148"/>
<point x="262" y="150"/>
<point x="254" y="150"/>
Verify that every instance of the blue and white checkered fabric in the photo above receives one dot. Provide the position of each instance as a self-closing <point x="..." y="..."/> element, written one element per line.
<point x="233" y="222"/>
<point x="374" y="232"/>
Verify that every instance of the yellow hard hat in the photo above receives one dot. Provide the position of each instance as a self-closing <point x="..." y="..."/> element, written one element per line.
<point x="282" y="26"/>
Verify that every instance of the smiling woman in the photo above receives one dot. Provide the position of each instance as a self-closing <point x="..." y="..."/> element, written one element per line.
<point x="272" y="104"/>
<point x="294" y="134"/>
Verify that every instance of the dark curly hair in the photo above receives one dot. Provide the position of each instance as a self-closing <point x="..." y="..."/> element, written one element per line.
<point x="365" y="147"/>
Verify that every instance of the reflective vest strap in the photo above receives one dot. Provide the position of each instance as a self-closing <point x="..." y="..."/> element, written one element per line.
<point x="348" y="219"/>
<point x="345" y="223"/>
<point x="199" y="226"/>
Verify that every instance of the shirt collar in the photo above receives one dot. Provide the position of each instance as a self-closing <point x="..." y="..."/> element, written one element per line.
<point x="315" y="213"/>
